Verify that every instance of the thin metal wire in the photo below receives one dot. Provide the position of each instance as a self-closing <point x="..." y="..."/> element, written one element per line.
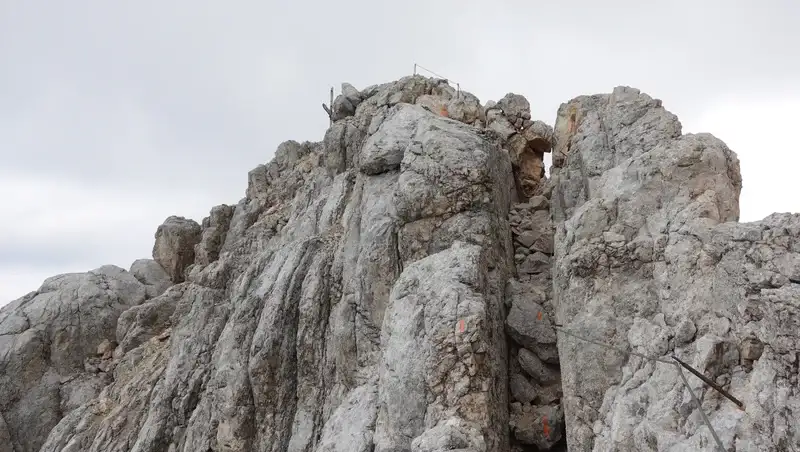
<point x="458" y="85"/>
<point x="677" y="365"/>
<point x="428" y="70"/>
<point x="700" y="408"/>
<point x="627" y="352"/>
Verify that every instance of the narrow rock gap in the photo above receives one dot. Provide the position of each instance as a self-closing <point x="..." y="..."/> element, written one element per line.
<point x="536" y="415"/>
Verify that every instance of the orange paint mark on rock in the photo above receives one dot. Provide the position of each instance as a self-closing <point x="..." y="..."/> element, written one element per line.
<point x="461" y="325"/>
<point x="444" y="111"/>
<point x="545" y="427"/>
<point x="539" y="316"/>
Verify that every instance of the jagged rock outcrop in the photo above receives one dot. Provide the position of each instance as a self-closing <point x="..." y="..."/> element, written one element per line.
<point x="649" y="258"/>
<point x="399" y="286"/>
<point x="152" y="275"/>
<point x="175" y="244"/>
<point x="48" y="340"/>
<point x="353" y="301"/>
<point x="527" y="140"/>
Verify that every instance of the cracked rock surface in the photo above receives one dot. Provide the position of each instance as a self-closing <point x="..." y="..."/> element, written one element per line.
<point x="397" y="287"/>
<point x="649" y="258"/>
<point x="352" y="301"/>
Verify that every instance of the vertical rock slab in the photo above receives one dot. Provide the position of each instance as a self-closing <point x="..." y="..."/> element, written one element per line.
<point x="439" y="360"/>
<point x="649" y="258"/>
<point x="174" y="247"/>
<point x="214" y="229"/>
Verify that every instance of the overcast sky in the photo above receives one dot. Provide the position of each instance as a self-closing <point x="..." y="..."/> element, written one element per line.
<point x="117" y="114"/>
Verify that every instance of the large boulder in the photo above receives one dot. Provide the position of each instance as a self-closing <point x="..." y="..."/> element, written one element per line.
<point x="174" y="247"/>
<point x="152" y="275"/>
<point x="47" y="340"/>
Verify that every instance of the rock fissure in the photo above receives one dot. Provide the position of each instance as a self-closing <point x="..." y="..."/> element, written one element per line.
<point x="395" y="288"/>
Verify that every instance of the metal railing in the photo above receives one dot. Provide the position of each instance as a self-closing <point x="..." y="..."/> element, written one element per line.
<point x="458" y="85"/>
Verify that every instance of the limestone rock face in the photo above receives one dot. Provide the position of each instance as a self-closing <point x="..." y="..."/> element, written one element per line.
<point x="406" y="284"/>
<point x="649" y="258"/>
<point x="352" y="301"/>
<point x="47" y="340"/>
<point x="174" y="247"/>
<point x="214" y="229"/>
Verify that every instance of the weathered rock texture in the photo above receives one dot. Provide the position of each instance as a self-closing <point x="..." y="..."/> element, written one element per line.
<point x="396" y="287"/>
<point x="353" y="301"/>
<point x="649" y="258"/>
<point x="175" y="244"/>
<point x="536" y="415"/>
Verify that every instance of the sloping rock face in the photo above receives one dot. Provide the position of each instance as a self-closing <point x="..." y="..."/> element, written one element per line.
<point x="353" y="301"/>
<point x="399" y="287"/>
<point x="48" y="350"/>
<point x="649" y="258"/>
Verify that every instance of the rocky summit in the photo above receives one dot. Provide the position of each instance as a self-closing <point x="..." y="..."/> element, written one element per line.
<point x="414" y="282"/>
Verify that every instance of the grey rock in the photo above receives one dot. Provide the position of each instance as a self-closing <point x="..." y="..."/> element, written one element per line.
<point x="514" y="105"/>
<point x="541" y="426"/>
<point x="678" y="265"/>
<point x="342" y="143"/>
<point x="538" y="370"/>
<point x="287" y="338"/>
<point x="530" y="326"/>
<point x="214" y="229"/>
<point x="45" y="338"/>
<point x="355" y="300"/>
<point x="342" y="108"/>
<point x="548" y="395"/>
<point x="685" y="332"/>
<point x="5" y="437"/>
<point x="384" y="150"/>
<point x="502" y="127"/>
<point x="537" y="242"/>
<point x="464" y="108"/>
<point x="539" y="203"/>
<point x="149" y="319"/>
<point x="537" y="262"/>
<point x="521" y="389"/>
<point x="433" y="298"/>
<point x="454" y="434"/>
<point x="152" y="275"/>
<point x="752" y="349"/>
<point x="174" y="247"/>
<point x="527" y="238"/>
<point x="434" y="104"/>
<point x="351" y="94"/>
<point x="539" y="136"/>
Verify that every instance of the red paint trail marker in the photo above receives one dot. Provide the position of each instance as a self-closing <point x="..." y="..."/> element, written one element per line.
<point x="539" y="316"/>
<point x="545" y="427"/>
<point x="461" y="325"/>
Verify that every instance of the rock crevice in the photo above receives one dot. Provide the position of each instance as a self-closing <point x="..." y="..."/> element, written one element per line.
<point x="398" y="285"/>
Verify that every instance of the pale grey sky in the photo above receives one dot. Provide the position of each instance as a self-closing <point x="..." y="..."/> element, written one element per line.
<point x="115" y="115"/>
